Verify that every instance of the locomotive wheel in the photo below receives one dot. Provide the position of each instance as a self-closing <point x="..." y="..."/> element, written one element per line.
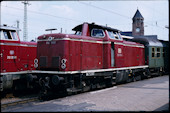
<point x="86" y="85"/>
<point x="137" y="78"/>
<point x="130" y="79"/>
<point x="119" y="77"/>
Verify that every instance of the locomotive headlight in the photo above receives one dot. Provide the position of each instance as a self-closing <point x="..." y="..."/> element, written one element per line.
<point x="36" y="63"/>
<point x="50" y="38"/>
<point x="35" y="60"/>
<point x="63" y="63"/>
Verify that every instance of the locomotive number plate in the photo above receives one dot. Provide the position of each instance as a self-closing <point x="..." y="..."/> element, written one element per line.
<point x="89" y="73"/>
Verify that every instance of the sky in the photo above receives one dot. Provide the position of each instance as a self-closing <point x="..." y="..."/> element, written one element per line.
<point x="118" y="14"/>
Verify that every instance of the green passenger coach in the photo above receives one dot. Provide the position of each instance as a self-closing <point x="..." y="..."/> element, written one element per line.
<point x="153" y="52"/>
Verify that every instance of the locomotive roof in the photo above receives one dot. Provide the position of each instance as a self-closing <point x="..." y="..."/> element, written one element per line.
<point x="148" y="40"/>
<point x="8" y="28"/>
<point x="92" y="25"/>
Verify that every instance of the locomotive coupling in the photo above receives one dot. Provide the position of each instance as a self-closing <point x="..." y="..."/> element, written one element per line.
<point x="31" y="78"/>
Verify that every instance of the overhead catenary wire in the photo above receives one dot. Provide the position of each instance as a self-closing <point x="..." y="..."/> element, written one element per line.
<point x="40" y="13"/>
<point x="105" y="10"/>
<point x="110" y="11"/>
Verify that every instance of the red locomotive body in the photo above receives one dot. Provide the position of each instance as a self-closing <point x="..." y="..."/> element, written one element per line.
<point x="63" y="52"/>
<point x="94" y="56"/>
<point x="17" y="57"/>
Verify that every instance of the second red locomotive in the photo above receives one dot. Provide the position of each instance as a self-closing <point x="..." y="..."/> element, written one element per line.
<point x="16" y="59"/>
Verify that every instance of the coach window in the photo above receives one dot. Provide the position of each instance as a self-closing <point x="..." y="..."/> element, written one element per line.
<point x="97" y="33"/>
<point x="163" y="52"/>
<point x="153" y="52"/>
<point x="158" y="52"/>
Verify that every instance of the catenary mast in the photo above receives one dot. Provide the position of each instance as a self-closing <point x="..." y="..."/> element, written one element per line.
<point x="25" y="33"/>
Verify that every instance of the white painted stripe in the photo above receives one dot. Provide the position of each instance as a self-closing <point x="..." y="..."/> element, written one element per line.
<point x="88" y="71"/>
<point x="128" y="45"/>
<point x="73" y="72"/>
<point x="93" y="41"/>
<point x="81" y="40"/>
<point x="12" y="73"/>
<point x="16" y="44"/>
<point x="103" y="90"/>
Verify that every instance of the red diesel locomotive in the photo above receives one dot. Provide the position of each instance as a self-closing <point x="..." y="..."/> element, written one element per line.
<point x="94" y="57"/>
<point x="17" y="58"/>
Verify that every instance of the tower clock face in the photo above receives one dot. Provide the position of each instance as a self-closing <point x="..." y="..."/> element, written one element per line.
<point x="137" y="29"/>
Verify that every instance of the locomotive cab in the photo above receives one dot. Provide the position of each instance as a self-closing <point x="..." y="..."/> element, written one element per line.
<point x="9" y="34"/>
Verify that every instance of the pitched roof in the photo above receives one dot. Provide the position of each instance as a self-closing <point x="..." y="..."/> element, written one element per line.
<point x="138" y="15"/>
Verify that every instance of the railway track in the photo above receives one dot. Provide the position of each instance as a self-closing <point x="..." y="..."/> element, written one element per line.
<point x="12" y="99"/>
<point x="20" y="101"/>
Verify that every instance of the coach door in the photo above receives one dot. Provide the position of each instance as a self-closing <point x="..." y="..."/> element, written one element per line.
<point x="152" y="61"/>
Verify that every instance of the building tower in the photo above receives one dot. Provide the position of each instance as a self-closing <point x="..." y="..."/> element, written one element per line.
<point x="138" y="24"/>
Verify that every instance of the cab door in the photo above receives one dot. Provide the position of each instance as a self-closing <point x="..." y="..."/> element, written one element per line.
<point x="112" y="55"/>
<point x="1" y="51"/>
<point x="1" y="55"/>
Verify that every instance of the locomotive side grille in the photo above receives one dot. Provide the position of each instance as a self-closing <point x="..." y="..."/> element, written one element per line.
<point x="55" y="62"/>
<point x="43" y="61"/>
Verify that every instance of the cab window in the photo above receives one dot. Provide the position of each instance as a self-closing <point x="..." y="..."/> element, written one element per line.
<point x="97" y="33"/>
<point x="8" y="35"/>
<point x="119" y="36"/>
<point x="111" y="34"/>
<point x="78" y="33"/>
<point x="14" y="35"/>
<point x="1" y="35"/>
<point x="114" y="35"/>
